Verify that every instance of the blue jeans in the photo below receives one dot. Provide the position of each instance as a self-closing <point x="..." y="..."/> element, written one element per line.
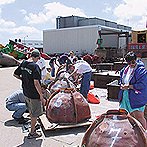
<point x="53" y="71"/>
<point x="18" y="108"/>
<point x="85" y="84"/>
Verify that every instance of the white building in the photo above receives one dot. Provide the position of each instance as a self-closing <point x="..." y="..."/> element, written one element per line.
<point x="38" y="44"/>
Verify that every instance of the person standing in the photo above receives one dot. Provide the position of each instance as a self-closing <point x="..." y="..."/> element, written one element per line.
<point x="82" y="68"/>
<point x="42" y="64"/>
<point x="133" y="88"/>
<point x="16" y="102"/>
<point x="30" y="74"/>
<point x="52" y="63"/>
<point x="71" y="56"/>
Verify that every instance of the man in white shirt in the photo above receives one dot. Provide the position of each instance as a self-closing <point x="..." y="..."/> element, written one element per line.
<point x="84" y="69"/>
<point x="42" y="65"/>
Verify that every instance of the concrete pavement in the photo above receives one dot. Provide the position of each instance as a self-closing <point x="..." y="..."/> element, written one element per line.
<point x="11" y="134"/>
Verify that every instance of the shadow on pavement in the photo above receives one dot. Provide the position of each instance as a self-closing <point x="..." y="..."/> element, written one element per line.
<point x="113" y="100"/>
<point x="67" y="131"/>
<point x="31" y="142"/>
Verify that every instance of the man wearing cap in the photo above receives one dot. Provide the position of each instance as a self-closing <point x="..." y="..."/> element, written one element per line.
<point x="30" y="74"/>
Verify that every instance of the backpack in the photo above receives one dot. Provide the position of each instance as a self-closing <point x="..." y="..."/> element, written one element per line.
<point x="115" y="128"/>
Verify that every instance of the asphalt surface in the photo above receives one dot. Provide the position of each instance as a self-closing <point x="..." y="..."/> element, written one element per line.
<point x="13" y="134"/>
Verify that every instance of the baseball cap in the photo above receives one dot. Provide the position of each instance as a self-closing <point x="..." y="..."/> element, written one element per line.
<point x="35" y="53"/>
<point x="130" y="56"/>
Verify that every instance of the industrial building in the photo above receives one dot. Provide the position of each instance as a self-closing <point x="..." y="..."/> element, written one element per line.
<point x="76" y="21"/>
<point x="81" y="35"/>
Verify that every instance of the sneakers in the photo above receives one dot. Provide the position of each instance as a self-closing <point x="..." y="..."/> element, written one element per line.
<point x="21" y="120"/>
<point x="37" y="127"/>
<point x="34" y="135"/>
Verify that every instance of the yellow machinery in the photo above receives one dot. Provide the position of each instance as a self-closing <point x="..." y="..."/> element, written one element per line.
<point x="139" y="43"/>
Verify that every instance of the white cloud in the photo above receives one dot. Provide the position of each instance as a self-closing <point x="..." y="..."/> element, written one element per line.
<point x="132" y="12"/>
<point x="4" y="2"/>
<point x="9" y="29"/>
<point x="24" y="30"/>
<point x="20" y="32"/>
<point x="6" y="24"/>
<point x="107" y="8"/>
<point x="51" y="11"/>
<point x="24" y="12"/>
<point x="36" y="18"/>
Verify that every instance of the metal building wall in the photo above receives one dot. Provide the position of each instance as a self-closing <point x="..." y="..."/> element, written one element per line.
<point x="66" y="22"/>
<point x="97" y="21"/>
<point x="91" y="21"/>
<point x="110" y="24"/>
<point x="76" y="21"/>
<point x="101" y="22"/>
<point x="120" y="26"/>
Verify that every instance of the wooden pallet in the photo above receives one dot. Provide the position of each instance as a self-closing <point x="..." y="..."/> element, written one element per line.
<point x="53" y="126"/>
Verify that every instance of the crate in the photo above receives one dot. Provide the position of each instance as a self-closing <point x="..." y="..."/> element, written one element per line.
<point x="113" y="90"/>
<point x="102" y="79"/>
<point x="118" y="65"/>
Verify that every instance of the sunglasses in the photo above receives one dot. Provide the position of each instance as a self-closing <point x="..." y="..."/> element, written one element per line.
<point x="131" y="62"/>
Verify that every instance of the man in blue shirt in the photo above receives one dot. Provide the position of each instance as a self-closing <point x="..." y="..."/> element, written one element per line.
<point x="16" y="102"/>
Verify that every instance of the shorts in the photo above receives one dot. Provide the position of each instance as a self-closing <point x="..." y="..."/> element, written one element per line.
<point x="34" y="106"/>
<point x="125" y="104"/>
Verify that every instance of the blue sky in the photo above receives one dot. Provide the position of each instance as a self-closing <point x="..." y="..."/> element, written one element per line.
<point x="22" y="18"/>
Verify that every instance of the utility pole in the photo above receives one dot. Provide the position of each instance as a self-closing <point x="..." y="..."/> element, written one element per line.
<point x="24" y="39"/>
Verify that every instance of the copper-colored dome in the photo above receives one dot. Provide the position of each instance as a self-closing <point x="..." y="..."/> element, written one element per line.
<point x="67" y="107"/>
<point x="115" y="130"/>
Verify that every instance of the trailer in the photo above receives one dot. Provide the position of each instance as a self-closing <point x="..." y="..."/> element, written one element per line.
<point x="80" y="39"/>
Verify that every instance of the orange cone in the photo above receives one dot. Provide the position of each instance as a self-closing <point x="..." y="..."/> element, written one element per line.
<point x="91" y="85"/>
<point x="93" y="99"/>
